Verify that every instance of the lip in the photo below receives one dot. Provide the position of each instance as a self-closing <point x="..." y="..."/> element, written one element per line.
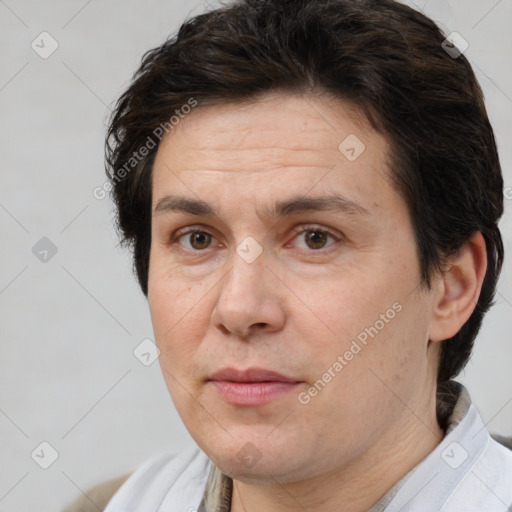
<point x="253" y="386"/>
<point x="253" y="374"/>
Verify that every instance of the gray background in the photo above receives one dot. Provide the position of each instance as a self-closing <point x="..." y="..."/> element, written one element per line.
<point x="69" y="325"/>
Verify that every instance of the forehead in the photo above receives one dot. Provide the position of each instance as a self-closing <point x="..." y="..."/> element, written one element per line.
<point x="275" y="144"/>
<point x="271" y="121"/>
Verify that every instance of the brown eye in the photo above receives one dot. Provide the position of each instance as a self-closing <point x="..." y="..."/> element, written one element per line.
<point x="198" y="240"/>
<point x="313" y="238"/>
<point x="316" y="239"/>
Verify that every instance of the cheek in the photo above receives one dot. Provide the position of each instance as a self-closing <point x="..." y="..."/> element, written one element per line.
<point x="370" y="326"/>
<point x="170" y="298"/>
<point x="177" y="336"/>
<point x="342" y="309"/>
<point x="176" y="318"/>
<point x="396" y="357"/>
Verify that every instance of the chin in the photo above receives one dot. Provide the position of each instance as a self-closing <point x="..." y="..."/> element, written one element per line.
<point x="259" y="473"/>
<point x="254" y="460"/>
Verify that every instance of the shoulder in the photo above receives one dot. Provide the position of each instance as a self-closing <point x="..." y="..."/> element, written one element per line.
<point x="505" y="441"/>
<point x="165" y="477"/>
<point x="98" y="496"/>
<point x="169" y="480"/>
<point x="487" y="485"/>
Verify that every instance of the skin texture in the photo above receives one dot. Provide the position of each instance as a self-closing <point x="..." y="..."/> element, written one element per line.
<point x="298" y="306"/>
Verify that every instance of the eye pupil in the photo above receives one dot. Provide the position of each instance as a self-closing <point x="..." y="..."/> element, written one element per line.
<point x="312" y="236"/>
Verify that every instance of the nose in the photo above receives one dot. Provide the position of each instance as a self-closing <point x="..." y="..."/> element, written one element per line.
<point x="249" y="302"/>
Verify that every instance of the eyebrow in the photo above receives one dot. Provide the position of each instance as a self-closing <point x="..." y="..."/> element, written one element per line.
<point x="279" y="209"/>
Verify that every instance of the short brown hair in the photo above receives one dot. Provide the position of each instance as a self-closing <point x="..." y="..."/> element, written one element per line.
<point x="383" y="56"/>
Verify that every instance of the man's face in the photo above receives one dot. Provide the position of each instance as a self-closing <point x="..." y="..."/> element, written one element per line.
<point x="327" y="297"/>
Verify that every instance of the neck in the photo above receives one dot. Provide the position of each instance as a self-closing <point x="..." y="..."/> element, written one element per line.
<point x="357" y="485"/>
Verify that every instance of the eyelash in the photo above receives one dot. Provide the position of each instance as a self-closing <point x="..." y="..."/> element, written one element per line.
<point x="297" y="231"/>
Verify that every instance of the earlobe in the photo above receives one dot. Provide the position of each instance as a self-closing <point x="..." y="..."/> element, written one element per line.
<point x="459" y="288"/>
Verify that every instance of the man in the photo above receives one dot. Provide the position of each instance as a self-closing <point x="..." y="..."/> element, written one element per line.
<point x="312" y="191"/>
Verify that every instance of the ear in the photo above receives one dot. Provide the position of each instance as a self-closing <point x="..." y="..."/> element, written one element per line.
<point x="459" y="288"/>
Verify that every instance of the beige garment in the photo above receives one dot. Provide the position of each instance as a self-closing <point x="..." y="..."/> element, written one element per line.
<point x="97" y="497"/>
